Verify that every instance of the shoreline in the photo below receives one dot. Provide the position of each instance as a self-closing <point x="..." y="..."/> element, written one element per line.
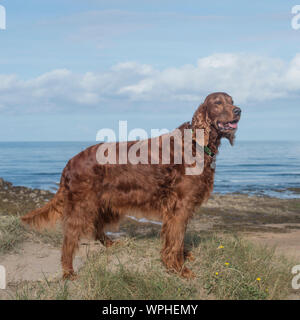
<point x="236" y="212"/>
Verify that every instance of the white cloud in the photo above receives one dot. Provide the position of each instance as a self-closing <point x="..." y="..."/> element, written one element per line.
<point x="248" y="78"/>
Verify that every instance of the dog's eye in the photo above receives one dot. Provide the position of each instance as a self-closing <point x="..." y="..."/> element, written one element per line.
<point x="218" y="102"/>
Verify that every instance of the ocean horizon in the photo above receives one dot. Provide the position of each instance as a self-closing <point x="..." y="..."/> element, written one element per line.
<point x="270" y="168"/>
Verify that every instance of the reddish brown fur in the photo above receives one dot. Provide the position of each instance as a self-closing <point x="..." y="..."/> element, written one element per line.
<point x="92" y="197"/>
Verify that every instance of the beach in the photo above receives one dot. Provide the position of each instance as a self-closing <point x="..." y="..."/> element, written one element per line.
<point x="30" y="256"/>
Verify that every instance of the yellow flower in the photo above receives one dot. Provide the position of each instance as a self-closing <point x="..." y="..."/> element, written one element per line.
<point x="217" y="273"/>
<point x="258" y="279"/>
<point x="226" y="263"/>
<point x="220" y="247"/>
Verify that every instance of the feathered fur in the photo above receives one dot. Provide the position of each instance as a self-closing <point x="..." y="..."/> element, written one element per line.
<point x="93" y="197"/>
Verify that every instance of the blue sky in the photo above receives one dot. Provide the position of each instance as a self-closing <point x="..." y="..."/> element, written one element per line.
<point x="69" y="68"/>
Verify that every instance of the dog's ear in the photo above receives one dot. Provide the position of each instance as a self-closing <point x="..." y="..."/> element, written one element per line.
<point x="201" y="121"/>
<point x="231" y="138"/>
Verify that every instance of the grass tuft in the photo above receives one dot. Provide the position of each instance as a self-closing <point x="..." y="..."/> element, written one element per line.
<point x="233" y="268"/>
<point x="12" y="233"/>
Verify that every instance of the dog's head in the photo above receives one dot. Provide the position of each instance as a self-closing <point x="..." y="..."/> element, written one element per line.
<point x="218" y="111"/>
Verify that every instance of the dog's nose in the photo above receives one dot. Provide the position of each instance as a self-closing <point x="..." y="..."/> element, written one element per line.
<point x="237" y="111"/>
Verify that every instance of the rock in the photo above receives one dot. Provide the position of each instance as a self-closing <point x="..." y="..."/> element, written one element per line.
<point x="19" y="200"/>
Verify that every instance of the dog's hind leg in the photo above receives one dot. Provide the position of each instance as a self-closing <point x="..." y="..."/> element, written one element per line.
<point x="70" y="245"/>
<point x="77" y="222"/>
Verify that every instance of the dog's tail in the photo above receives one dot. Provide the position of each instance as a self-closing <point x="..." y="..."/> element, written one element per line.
<point x="46" y="216"/>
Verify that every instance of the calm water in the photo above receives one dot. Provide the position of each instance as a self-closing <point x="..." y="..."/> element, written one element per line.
<point x="249" y="167"/>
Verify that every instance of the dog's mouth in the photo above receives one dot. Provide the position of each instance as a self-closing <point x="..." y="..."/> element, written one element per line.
<point x="225" y="126"/>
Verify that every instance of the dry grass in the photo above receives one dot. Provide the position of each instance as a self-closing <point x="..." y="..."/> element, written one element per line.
<point x="133" y="269"/>
<point x="233" y="268"/>
<point x="226" y="267"/>
<point x="13" y="233"/>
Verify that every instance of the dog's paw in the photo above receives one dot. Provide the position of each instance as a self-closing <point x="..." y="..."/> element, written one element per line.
<point x="189" y="256"/>
<point x="187" y="273"/>
<point x="70" y="275"/>
<point x="109" y="243"/>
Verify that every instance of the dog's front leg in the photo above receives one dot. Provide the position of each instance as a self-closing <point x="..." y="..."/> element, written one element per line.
<point x="172" y="253"/>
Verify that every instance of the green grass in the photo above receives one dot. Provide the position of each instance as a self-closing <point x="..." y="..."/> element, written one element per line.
<point x="97" y="282"/>
<point x="233" y="268"/>
<point x="40" y="290"/>
<point x="226" y="268"/>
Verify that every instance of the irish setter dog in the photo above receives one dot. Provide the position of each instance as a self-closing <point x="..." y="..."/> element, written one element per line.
<point x="92" y="196"/>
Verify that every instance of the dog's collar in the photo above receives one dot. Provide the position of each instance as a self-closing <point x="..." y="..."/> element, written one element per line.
<point x="206" y="149"/>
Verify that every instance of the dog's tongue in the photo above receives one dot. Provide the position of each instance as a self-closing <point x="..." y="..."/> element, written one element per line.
<point x="232" y="125"/>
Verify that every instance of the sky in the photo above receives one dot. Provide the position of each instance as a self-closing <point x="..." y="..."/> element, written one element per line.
<point x="69" y="68"/>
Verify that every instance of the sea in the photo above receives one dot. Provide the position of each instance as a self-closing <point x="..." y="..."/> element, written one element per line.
<point x="263" y="168"/>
